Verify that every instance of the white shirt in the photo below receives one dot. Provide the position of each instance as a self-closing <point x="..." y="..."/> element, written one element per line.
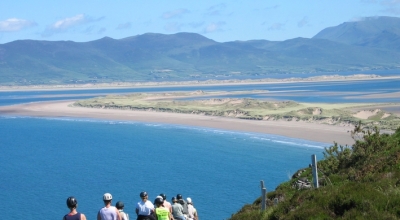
<point x="145" y="208"/>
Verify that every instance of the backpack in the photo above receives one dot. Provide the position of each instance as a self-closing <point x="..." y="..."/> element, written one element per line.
<point x="184" y="205"/>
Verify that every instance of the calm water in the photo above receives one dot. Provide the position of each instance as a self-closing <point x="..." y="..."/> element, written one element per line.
<point x="45" y="160"/>
<point x="332" y="92"/>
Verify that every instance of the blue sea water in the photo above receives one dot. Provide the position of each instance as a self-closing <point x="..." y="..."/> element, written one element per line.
<point x="331" y="92"/>
<point x="45" y="160"/>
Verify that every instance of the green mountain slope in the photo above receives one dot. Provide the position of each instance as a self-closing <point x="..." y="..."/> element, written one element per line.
<point x="190" y="56"/>
<point x="383" y="32"/>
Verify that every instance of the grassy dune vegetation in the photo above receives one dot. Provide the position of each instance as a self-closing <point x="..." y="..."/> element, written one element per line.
<point x="358" y="182"/>
<point x="244" y="108"/>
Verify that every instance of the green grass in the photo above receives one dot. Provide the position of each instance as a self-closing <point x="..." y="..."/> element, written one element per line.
<point x="363" y="184"/>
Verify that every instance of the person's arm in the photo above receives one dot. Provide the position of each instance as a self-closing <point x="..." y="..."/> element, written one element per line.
<point x="83" y="217"/>
<point x="170" y="208"/>
<point x="119" y="215"/>
<point x="137" y="211"/>
<point x="170" y="216"/>
<point x="98" y="216"/>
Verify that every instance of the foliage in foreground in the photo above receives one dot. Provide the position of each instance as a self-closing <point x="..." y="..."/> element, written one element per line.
<point x="357" y="182"/>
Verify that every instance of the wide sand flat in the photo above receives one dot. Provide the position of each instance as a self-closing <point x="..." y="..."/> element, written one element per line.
<point x="301" y="130"/>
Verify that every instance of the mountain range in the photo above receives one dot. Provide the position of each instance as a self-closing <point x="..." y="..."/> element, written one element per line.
<point x="368" y="44"/>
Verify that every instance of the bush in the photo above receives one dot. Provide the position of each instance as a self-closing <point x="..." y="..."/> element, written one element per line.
<point x="361" y="182"/>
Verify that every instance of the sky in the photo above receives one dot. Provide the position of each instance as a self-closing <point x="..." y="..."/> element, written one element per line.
<point x="222" y="21"/>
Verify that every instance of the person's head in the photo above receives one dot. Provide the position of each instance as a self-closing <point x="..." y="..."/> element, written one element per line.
<point x="163" y="196"/>
<point x="119" y="205"/>
<point x="144" y="196"/>
<point x="159" y="201"/>
<point x="174" y="200"/>
<point x="72" y="202"/>
<point x="107" y="197"/>
<point x="179" y="197"/>
<point x="189" y="200"/>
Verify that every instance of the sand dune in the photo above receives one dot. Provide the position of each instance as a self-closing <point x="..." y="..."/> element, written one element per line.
<point x="301" y="130"/>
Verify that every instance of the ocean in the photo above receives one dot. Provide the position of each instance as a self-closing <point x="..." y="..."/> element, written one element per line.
<point x="45" y="160"/>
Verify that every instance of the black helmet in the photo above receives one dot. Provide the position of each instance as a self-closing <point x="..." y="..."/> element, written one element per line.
<point x="119" y="205"/>
<point x="174" y="199"/>
<point x="71" y="202"/>
<point x="143" y="194"/>
<point x="179" y="196"/>
<point x="163" y="196"/>
<point x="158" y="201"/>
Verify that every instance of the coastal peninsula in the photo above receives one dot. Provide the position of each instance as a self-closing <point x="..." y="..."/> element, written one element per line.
<point x="320" y="122"/>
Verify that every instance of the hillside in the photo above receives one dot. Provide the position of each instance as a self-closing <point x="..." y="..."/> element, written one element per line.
<point x="380" y="32"/>
<point x="190" y="56"/>
<point x="358" y="182"/>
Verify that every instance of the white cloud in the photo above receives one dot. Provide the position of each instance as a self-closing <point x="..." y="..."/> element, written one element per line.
<point x="15" y="24"/>
<point x="214" y="27"/>
<point x="68" y="22"/>
<point x="65" y="24"/>
<point x="175" y="13"/>
<point x="303" y="22"/>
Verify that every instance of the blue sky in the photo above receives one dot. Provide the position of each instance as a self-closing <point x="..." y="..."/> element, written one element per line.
<point x="222" y="21"/>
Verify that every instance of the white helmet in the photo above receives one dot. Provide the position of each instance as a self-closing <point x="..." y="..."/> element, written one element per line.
<point x="107" y="197"/>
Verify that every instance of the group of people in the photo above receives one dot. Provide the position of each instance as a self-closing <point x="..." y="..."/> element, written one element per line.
<point x="145" y="209"/>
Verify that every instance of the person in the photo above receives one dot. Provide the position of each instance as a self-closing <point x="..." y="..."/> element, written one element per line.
<point x="166" y="203"/>
<point x="177" y="210"/>
<point x="183" y="203"/>
<point x="144" y="208"/>
<point x="120" y="206"/>
<point x="162" y="213"/>
<point x="108" y="212"/>
<point x="72" y="204"/>
<point x="192" y="212"/>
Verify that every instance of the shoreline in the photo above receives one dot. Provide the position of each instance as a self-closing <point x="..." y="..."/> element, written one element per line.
<point x="166" y="84"/>
<point x="293" y="129"/>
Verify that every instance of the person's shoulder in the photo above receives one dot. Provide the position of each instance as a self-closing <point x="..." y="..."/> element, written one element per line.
<point x="83" y="216"/>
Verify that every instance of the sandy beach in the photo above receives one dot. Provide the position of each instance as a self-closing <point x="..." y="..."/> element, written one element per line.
<point x="302" y="130"/>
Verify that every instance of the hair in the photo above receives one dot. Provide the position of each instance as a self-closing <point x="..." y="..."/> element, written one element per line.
<point x="107" y="201"/>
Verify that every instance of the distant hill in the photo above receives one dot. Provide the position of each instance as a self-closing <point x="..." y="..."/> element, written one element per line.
<point x="382" y="32"/>
<point x="190" y="56"/>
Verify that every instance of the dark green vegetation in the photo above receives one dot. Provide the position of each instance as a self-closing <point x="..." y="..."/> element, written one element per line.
<point x="253" y="109"/>
<point x="189" y="56"/>
<point x="358" y="182"/>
